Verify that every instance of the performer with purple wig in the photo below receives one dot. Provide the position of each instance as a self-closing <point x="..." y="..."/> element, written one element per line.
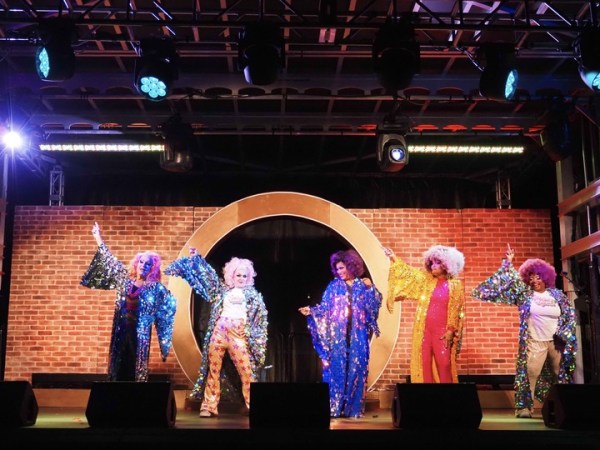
<point x="341" y="327"/>
<point x="547" y="340"/>
<point x="438" y="326"/>
<point x="142" y="300"/>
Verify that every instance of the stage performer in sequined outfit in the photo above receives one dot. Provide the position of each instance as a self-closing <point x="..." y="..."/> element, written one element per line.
<point x="438" y="325"/>
<point x="341" y="327"/>
<point x="142" y="301"/>
<point x="547" y="340"/>
<point x="237" y="324"/>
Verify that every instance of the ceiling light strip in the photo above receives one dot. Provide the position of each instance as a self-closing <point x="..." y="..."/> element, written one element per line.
<point x="87" y="147"/>
<point x="477" y="149"/>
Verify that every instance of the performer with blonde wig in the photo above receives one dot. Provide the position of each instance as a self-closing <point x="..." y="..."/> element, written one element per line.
<point x="237" y="324"/>
<point x="438" y="326"/>
<point x="142" y="300"/>
<point x="547" y="339"/>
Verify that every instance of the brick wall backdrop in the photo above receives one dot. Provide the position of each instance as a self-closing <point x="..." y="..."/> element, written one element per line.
<point x="57" y="326"/>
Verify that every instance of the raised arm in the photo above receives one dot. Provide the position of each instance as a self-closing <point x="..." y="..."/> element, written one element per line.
<point x="504" y="285"/>
<point x="389" y="253"/>
<point x="510" y="253"/>
<point x="105" y="270"/>
<point x="96" y="234"/>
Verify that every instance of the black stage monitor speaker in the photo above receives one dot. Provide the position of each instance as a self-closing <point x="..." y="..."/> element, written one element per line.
<point x="119" y="404"/>
<point x="294" y="405"/>
<point x="436" y="405"/>
<point x="572" y="406"/>
<point x="18" y="405"/>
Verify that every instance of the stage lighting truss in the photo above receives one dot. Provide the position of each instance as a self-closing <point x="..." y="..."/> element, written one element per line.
<point x="54" y="56"/>
<point x="396" y="54"/>
<point x="261" y="53"/>
<point x="587" y="50"/>
<point x="156" y="68"/>
<point x="500" y="76"/>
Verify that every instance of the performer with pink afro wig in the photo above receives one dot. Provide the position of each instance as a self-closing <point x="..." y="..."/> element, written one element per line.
<point x="547" y="340"/>
<point x="437" y="330"/>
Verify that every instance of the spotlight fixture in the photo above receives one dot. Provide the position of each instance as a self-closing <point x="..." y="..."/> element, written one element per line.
<point x="156" y="68"/>
<point x="558" y="138"/>
<point x="499" y="77"/>
<point x="180" y="143"/>
<point x="392" y="151"/>
<point x="54" y="56"/>
<point x="261" y="53"/>
<point x="396" y="54"/>
<point x="587" y="49"/>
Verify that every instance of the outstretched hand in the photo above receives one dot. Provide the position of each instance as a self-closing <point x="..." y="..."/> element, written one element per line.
<point x="96" y="234"/>
<point x="305" y="310"/>
<point x="510" y="253"/>
<point x="389" y="253"/>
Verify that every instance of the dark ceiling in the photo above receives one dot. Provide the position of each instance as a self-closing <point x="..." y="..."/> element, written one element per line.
<point x="314" y="128"/>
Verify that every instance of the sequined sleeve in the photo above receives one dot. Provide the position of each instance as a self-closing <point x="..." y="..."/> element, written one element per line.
<point x="404" y="281"/>
<point x="258" y="323"/>
<point x="165" y="317"/>
<point x="320" y="316"/>
<point x="566" y="329"/>
<point x="504" y="286"/>
<point x="373" y="304"/>
<point x="105" y="271"/>
<point x="198" y="273"/>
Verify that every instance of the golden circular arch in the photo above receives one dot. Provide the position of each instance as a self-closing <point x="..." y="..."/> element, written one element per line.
<point x="272" y="204"/>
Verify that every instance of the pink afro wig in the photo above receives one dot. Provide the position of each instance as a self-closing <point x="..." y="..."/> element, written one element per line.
<point x="233" y="265"/>
<point x="539" y="267"/>
<point x="451" y="259"/>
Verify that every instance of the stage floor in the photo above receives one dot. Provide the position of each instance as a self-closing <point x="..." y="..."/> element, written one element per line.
<point x="498" y="419"/>
<point x="499" y="429"/>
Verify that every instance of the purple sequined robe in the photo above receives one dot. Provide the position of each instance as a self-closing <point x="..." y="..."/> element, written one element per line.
<point x="340" y="327"/>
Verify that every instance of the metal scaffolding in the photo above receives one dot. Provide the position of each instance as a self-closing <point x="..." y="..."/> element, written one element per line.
<point x="57" y="186"/>
<point x="503" y="200"/>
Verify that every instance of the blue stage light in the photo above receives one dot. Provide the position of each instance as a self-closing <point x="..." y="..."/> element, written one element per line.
<point x="500" y="77"/>
<point x="54" y="56"/>
<point x="156" y="68"/>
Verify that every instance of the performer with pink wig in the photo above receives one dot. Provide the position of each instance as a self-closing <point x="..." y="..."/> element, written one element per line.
<point x="438" y="326"/>
<point x="142" y="300"/>
<point x="547" y="340"/>
<point x="237" y="325"/>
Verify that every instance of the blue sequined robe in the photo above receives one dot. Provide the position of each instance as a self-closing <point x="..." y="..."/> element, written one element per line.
<point x="156" y="306"/>
<point x="203" y="278"/>
<point x="505" y="286"/>
<point x="340" y="327"/>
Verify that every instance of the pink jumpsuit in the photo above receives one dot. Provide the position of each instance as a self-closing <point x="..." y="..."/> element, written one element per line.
<point x="434" y="343"/>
